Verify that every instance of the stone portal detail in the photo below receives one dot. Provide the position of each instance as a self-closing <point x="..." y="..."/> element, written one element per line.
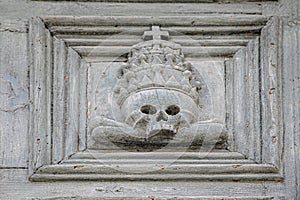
<point x="158" y="97"/>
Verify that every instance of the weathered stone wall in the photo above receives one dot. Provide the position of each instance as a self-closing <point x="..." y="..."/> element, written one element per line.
<point x="14" y="95"/>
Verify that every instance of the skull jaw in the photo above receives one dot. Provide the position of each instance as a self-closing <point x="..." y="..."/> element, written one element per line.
<point x="161" y="129"/>
<point x="157" y="136"/>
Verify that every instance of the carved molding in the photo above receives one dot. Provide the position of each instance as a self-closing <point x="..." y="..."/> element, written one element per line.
<point x="62" y="47"/>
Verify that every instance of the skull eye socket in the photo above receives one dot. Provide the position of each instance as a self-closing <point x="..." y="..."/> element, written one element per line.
<point x="148" y="109"/>
<point x="172" y="110"/>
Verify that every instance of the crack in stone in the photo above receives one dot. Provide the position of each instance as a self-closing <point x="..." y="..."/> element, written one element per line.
<point x="15" y="109"/>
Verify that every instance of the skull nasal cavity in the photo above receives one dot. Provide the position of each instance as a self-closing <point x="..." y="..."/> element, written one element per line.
<point x="162" y="116"/>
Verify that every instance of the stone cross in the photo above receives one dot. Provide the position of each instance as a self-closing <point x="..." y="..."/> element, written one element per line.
<point x="156" y="34"/>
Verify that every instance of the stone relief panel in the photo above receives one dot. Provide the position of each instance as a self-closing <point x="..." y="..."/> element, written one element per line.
<point x="157" y="99"/>
<point x="161" y="94"/>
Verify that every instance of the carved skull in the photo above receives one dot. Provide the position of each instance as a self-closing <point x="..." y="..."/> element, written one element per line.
<point x="159" y="112"/>
<point x="160" y="119"/>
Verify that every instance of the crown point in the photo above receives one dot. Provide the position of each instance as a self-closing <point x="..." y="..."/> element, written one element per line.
<point x="145" y="82"/>
<point x="172" y="82"/>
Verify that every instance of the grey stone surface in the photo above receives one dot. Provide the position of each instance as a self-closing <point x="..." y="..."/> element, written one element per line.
<point x="14" y="88"/>
<point x="290" y="80"/>
<point x="47" y="75"/>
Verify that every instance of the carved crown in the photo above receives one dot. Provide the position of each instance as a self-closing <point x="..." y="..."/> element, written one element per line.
<point x="157" y="64"/>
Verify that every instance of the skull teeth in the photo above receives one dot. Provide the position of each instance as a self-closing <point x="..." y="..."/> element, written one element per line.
<point x="162" y="126"/>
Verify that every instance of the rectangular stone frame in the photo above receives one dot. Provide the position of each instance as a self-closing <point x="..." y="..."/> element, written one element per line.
<point x="58" y="68"/>
<point x="255" y="99"/>
<point x="57" y="78"/>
